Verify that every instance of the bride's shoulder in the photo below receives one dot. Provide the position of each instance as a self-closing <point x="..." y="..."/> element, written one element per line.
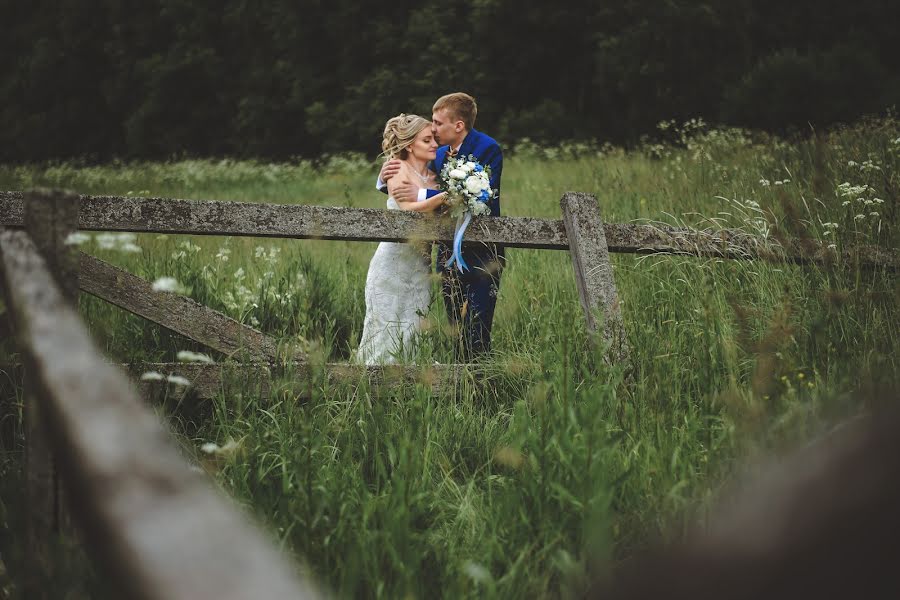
<point x="405" y="168"/>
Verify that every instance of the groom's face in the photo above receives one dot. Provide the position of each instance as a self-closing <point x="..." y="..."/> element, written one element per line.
<point x="446" y="128"/>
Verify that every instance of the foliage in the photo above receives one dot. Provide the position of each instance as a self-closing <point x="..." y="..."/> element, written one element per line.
<point x="103" y="79"/>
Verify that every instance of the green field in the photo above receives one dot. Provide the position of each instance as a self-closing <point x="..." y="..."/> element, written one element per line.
<point x="515" y="483"/>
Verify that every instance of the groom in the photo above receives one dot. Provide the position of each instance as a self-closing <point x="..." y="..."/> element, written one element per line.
<point x="470" y="296"/>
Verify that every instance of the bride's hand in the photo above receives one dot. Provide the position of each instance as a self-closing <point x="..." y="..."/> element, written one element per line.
<point x="389" y="169"/>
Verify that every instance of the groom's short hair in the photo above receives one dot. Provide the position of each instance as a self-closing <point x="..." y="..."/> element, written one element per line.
<point x="461" y="105"/>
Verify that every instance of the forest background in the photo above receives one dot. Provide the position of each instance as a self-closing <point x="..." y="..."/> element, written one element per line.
<point x="162" y="79"/>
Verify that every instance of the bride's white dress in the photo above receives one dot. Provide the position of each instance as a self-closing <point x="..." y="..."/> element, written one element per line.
<point x="398" y="293"/>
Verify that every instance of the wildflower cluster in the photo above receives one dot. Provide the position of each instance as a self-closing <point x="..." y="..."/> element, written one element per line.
<point x="244" y="294"/>
<point x="860" y="199"/>
<point x="116" y="242"/>
<point x="185" y="248"/>
<point x="766" y="183"/>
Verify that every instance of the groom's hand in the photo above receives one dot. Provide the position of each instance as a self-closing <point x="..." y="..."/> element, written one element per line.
<point x="389" y="169"/>
<point x="406" y="192"/>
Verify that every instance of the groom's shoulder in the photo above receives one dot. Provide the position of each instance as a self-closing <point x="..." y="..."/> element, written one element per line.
<point x="486" y="145"/>
<point x="484" y="139"/>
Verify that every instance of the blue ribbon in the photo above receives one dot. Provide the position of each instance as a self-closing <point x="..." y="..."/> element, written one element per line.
<point x="461" y="223"/>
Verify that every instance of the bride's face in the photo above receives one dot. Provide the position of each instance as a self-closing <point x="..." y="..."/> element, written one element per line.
<point x="424" y="147"/>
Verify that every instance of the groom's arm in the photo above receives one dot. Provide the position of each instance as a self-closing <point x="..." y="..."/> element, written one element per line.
<point x="388" y="170"/>
<point x="410" y="192"/>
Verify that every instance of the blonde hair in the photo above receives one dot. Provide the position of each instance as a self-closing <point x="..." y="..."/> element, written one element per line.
<point x="399" y="134"/>
<point x="461" y="106"/>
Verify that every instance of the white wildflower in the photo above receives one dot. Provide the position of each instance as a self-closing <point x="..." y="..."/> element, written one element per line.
<point x="129" y="247"/>
<point x="76" y="238"/>
<point x="188" y="356"/>
<point x="190" y="247"/>
<point x="152" y="376"/>
<point x="209" y="448"/>
<point x="123" y="242"/>
<point x="178" y="380"/>
<point x="477" y="572"/>
<point x="167" y="284"/>
<point x="213" y="448"/>
<point x="106" y="241"/>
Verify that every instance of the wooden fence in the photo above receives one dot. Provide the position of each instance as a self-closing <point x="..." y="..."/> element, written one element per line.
<point x="163" y="532"/>
<point x="155" y="527"/>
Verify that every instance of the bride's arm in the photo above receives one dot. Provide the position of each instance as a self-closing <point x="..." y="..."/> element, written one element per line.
<point x="425" y="205"/>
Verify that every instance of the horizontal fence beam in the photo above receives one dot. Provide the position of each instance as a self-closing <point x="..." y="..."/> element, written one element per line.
<point x="173" y="311"/>
<point x="157" y="528"/>
<point x="216" y="217"/>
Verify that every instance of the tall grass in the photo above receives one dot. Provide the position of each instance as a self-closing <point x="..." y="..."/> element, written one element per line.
<point x="513" y="483"/>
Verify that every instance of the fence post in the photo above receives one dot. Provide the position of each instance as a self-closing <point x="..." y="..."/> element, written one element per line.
<point x="593" y="272"/>
<point x="50" y="217"/>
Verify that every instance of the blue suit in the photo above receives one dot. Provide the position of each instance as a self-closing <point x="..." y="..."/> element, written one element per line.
<point x="470" y="297"/>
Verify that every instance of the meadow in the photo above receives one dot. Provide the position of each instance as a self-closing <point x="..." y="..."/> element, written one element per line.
<point x="549" y="467"/>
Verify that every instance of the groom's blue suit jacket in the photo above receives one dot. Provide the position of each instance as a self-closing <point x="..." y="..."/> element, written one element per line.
<point x="487" y="152"/>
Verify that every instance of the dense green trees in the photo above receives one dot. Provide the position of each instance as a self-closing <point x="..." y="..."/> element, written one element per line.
<point x="129" y="78"/>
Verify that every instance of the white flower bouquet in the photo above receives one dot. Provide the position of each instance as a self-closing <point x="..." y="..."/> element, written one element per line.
<point x="468" y="186"/>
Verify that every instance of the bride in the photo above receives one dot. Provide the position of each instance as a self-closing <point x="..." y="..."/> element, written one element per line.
<point x="398" y="285"/>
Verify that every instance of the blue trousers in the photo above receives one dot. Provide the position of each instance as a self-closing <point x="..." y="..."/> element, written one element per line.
<point x="470" y="298"/>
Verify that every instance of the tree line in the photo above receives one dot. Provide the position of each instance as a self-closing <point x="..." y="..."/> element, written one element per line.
<point x="101" y="79"/>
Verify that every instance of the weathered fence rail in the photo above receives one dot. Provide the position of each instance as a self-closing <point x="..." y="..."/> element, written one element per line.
<point x="157" y="526"/>
<point x="214" y="217"/>
<point x="173" y="311"/>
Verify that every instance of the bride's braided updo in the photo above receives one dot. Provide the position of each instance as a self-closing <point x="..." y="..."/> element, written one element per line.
<point x="399" y="133"/>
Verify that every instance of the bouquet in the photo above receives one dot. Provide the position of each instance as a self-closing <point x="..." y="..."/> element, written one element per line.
<point x="468" y="187"/>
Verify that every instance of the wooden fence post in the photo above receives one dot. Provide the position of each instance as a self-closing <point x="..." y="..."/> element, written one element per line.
<point x="50" y="217"/>
<point x="593" y="272"/>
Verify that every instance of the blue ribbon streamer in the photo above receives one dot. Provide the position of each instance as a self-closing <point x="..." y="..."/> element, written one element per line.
<point x="461" y="223"/>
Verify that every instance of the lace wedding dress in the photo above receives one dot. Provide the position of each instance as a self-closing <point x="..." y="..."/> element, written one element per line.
<point x="398" y="293"/>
